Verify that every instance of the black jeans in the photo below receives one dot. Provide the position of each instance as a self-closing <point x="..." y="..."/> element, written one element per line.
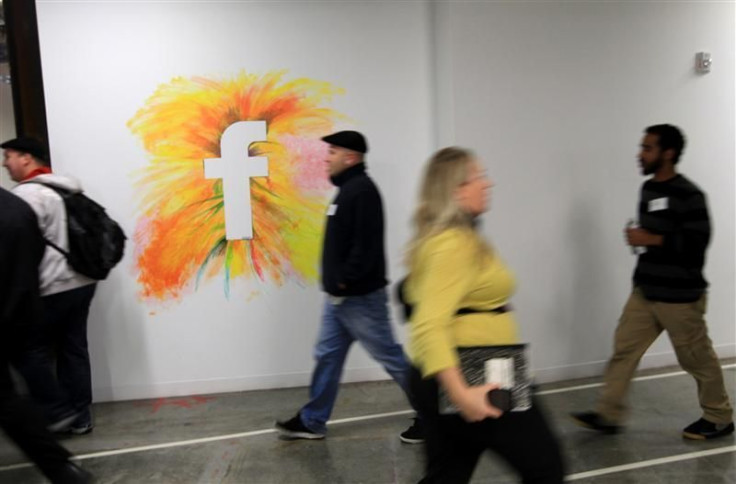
<point x="23" y="423"/>
<point x="56" y="366"/>
<point x="453" y="446"/>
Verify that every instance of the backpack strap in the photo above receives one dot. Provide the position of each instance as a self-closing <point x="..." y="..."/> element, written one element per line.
<point x="63" y="193"/>
<point x="58" y="249"/>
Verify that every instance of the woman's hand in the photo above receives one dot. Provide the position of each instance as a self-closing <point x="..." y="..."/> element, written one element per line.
<point x="474" y="405"/>
<point x="471" y="401"/>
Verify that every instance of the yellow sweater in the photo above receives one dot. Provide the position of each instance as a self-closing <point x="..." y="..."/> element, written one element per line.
<point x="446" y="275"/>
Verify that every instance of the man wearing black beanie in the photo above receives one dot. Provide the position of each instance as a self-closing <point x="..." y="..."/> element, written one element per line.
<point x="354" y="278"/>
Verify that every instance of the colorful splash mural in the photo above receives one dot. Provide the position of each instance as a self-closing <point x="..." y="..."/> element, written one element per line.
<point x="180" y="234"/>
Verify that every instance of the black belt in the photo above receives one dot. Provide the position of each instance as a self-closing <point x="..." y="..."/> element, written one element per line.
<point x="500" y="310"/>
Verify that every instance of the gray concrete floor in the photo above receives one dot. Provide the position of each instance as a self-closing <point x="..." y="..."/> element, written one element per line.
<point x="145" y="441"/>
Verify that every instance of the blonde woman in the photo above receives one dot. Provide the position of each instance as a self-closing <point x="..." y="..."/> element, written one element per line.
<point x="452" y="268"/>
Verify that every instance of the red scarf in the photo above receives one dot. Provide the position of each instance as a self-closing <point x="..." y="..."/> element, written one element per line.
<point x="44" y="170"/>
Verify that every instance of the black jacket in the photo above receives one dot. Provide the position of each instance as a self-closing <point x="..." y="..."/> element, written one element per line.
<point x="353" y="260"/>
<point x="21" y="250"/>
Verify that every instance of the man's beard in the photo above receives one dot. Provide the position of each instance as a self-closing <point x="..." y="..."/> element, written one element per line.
<point x="653" y="166"/>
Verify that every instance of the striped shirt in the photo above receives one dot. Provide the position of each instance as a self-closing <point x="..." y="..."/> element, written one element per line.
<point x="677" y="210"/>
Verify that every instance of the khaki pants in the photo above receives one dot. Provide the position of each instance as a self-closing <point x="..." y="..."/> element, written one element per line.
<point x="641" y="323"/>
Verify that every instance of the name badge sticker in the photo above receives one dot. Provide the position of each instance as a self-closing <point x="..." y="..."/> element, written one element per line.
<point x="658" y="204"/>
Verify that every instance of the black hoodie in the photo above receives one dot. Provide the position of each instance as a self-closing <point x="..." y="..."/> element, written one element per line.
<point x="353" y="260"/>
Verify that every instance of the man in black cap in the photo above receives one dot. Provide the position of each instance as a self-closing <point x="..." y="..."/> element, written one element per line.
<point x="63" y="389"/>
<point x="21" y="249"/>
<point x="354" y="278"/>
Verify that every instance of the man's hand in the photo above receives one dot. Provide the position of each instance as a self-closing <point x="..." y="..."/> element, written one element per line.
<point x="640" y="237"/>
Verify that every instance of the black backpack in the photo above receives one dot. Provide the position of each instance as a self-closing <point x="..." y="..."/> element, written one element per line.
<point x="406" y="307"/>
<point x="96" y="242"/>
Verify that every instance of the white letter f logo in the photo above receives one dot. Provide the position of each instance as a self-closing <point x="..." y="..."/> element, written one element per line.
<point x="236" y="171"/>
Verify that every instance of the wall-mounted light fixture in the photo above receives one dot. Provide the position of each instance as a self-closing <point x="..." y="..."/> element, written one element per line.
<point x="703" y="62"/>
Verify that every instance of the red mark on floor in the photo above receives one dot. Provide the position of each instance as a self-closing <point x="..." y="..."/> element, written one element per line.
<point x="181" y="402"/>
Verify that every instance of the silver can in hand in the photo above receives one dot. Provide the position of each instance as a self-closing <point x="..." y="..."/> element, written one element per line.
<point x="636" y="250"/>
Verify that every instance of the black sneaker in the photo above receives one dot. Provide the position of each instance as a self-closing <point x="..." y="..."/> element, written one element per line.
<point x="414" y="434"/>
<point x="81" y="429"/>
<point x="62" y="423"/>
<point x="594" y="421"/>
<point x="82" y="425"/>
<point x="705" y="430"/>
<point x="295" y="429"/>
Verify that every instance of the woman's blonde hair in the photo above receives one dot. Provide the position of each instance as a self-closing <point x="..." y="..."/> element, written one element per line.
<point x="438" y="210"/>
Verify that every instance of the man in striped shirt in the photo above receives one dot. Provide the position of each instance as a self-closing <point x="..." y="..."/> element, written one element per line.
<point x="669" y="292"/>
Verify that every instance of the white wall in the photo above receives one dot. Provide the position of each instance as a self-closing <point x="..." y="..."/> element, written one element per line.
<point x="552" y="96"/>
<point x="102" y="60"/>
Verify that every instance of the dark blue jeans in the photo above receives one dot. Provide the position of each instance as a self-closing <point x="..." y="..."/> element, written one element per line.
<point x="356" y="318"/>
<point x="56" y="366"/>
